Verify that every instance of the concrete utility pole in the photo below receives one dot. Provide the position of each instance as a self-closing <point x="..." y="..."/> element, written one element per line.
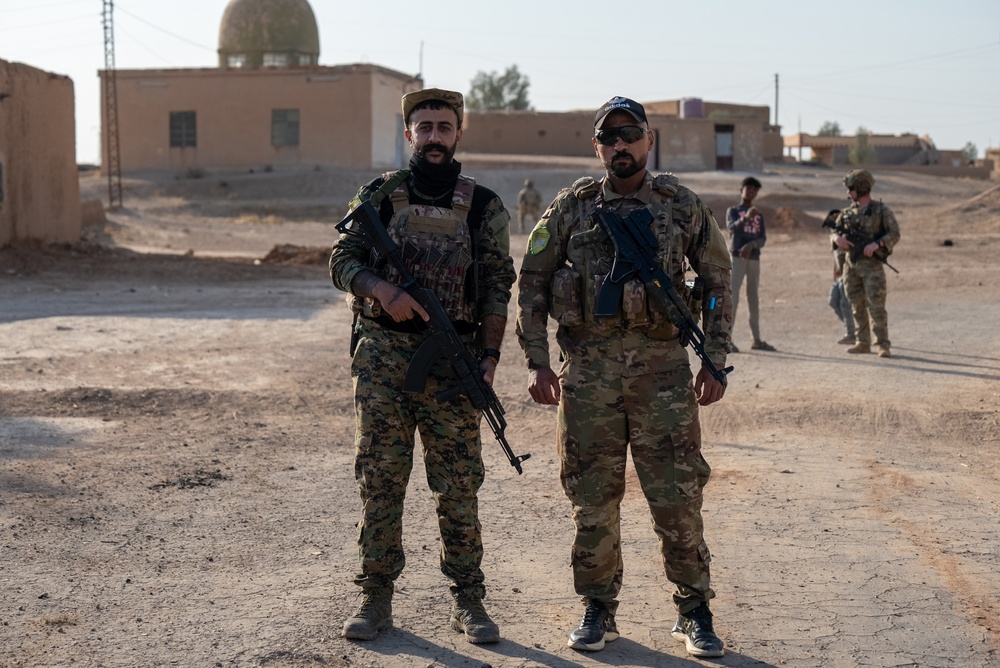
<point x="776" y="98"/>
<point x="112" y="160"/>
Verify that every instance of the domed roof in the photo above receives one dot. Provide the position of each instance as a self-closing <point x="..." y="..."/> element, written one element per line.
<point x="284" y="30"/>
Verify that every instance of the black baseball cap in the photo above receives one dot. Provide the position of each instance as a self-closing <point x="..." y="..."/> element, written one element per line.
<point x="631" y="107"/>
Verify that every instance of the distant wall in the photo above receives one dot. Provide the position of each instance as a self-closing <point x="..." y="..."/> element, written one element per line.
<point x="348" y="116"/>
<point x="39" y="190"/>
<point x="940" y="170"/>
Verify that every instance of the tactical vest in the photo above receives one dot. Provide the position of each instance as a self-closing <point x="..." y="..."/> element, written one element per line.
<point x="869" y="225"/>
<point x="436" y="245"/>
<point x="591" y="263"/>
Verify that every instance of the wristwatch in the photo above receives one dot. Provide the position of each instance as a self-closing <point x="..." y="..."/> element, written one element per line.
<point x="492" y="353"/>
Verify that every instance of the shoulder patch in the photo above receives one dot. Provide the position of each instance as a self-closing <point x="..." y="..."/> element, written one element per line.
<point x="539" y="239"/>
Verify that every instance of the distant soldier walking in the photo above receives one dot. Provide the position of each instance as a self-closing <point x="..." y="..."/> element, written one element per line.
<point x="529" y="205"/>
<point x="864" y="270"/>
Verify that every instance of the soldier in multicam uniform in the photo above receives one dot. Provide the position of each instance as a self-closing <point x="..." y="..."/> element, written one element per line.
<point x="450" y="231"/>
<point x="626" y="381"/>
<point x="864" y="276"/>
<point x="529" y="203"/>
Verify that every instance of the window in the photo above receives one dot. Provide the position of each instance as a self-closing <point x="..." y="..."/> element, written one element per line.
<point x="183" y="129"/>
<point x="284" y="127"/>
<point x="275" y="60"/>
<point x="236" y="60"/>
<point x="305" y="59"/>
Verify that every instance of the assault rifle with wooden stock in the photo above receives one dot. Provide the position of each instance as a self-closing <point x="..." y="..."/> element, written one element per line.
<point x="442" y="340"/>
<point x="635" y="257"/>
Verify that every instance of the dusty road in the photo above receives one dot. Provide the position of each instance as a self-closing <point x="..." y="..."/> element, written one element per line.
<point x="176" y="480"/>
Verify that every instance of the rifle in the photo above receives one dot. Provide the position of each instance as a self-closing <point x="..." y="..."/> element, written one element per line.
<point x="859" y="241"/>
<point x="635" y="256"/>
<point x="442" y="340"/>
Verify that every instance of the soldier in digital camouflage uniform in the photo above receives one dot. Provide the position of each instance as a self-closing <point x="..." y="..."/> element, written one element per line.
<point x="446" y="225"/>
<point x="626" y="381"/>
<point x="864" y="272"/>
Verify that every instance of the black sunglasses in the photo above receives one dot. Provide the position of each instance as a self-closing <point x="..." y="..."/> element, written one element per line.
<point x="629" y="134"/>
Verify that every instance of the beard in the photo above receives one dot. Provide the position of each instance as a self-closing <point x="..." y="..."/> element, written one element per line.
<point x="622" y="165"/>
<point x="449" y="153"/>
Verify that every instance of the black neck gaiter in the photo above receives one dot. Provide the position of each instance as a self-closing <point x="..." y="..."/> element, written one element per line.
<point x="432" y="181"/>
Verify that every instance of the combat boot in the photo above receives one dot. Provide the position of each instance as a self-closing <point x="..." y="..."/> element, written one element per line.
<point x="374" y="614"/>
<point x="468" y="616"/>
<point x="694" y="629"/>
<point x="883" y="351"/>
<point x="846" y="339"/>
<point x="860" y="347"/>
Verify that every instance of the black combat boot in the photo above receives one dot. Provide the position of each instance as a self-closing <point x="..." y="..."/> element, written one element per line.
<point x="374" y="614"/>
<point x="468" y="616"/>
<point x="598" y="627"/>
<point x="694" y="628"/>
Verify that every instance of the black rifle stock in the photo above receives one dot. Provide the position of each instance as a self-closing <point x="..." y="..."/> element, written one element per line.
<point x="635" y="256"/>
<point x="859" y="241"/>
<point x="442" y="339"/>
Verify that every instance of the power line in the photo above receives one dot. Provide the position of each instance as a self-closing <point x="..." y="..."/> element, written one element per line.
<point x="11" y="10"/>
<point x="164" y="30"/>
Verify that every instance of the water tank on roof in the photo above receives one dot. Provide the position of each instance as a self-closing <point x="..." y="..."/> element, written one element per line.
<point x="692" y="107"/>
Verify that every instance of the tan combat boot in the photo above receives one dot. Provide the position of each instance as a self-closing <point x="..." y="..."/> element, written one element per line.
<point x="860" y="347"/>
<point x="883" y="351"/>
<point x="373" y="615"/>
<point x="468" y="616"/>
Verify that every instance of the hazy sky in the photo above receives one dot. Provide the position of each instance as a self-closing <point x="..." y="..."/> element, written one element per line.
<point x="891" y="66"/>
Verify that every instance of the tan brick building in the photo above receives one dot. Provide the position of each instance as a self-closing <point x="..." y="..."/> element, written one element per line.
<point x="691" y="135"/>
<point x="267" y="104"/>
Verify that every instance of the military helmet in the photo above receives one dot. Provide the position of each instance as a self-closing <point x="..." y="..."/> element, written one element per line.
<point x="860" y="180"/>
<point x="528" y="183"/>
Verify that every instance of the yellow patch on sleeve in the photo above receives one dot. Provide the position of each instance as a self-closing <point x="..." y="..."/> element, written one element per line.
<point x="539" y="239"/>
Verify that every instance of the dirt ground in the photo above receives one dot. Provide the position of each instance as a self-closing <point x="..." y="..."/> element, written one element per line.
<point x="176" y="427"/>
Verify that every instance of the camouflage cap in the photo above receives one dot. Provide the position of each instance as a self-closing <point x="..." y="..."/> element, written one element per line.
<point x="449" y="97"/>
<point x="618" y="103"/>
<point x="859" y="179"/>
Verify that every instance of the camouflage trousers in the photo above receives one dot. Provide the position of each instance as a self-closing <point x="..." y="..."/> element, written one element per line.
<point x="864" y="283"/>
<point x="600" y="417"/>
<point x="387" y="420"/>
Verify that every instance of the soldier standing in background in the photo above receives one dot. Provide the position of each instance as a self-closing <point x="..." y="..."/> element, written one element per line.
<point x="529" y="204"/>
<point x="864" y="272"/>
<point x="626" y="381"/>
<point x="446" y="226"/>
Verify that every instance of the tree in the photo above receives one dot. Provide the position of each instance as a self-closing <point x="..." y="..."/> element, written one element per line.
<point x="492" y="91"/>
<point x="862" y="153"/>
<point x="829" y="129"/>
<point x="970" y="152"/>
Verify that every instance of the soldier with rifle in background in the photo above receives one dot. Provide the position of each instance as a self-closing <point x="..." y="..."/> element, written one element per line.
<point x="607" y="262"/>
<point x="450" y="281"/>
<point x="867" y="230"/>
